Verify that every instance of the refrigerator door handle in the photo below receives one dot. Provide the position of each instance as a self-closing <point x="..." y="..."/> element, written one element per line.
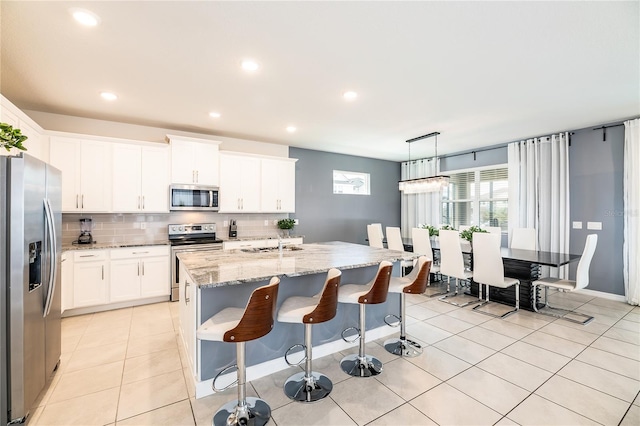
<point x="54" y="256"/>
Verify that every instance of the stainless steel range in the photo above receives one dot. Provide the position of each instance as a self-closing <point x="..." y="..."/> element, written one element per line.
<point x="189" y="237"/>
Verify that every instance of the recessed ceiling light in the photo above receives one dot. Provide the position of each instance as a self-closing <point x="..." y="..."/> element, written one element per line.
<point x="350" y="95"/>
<point x="214" y="114"/>
<point x="85" y="17"/>
<point x="291" y="129"/>
<point x="108" y="96"/>
<point x="249" y="65"/>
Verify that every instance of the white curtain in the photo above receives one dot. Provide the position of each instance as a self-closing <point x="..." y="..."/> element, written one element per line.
<point x="539" y="192"/>
<point x="631" y="188"/>
<point x="419" y="209"/>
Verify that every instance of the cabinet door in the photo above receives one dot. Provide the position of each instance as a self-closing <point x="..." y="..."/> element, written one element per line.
<point x="66" y="281"/>
<point x="155" y="276"/>
<point x="125" y="280"/>
<point x="287" y="187"/>
<point x="95" y="176"/>
<point x="155" y="179"/>
<point x="270" y="173"/>
<point x="182" y="166"/>
<point x="188" y="323"/>
<point x="65" y="155"/>
<point x="126" y="178"/>
<point x="89" y="284"/>
<point x="36" y="143"/>
<point x="230" y="183"/>
<point x="250" y="178"/>
<point x="206" y="164"/>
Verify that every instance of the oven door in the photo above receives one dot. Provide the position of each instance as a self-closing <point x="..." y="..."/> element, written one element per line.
<point x="175" y="263"/>
<point x="193" y="197"/>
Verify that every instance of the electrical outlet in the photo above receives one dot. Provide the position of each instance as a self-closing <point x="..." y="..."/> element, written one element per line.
<point x="595" y="226"/>
<point x="295" y="221"/>
<point x="266" y="222"/>
<point x="577" y="225"/>
<point x="143" y="225"/>
<point x="225" y="223"/>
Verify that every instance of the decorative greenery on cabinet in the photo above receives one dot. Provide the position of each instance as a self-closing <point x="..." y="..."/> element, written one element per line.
<point x="11" y="138"/>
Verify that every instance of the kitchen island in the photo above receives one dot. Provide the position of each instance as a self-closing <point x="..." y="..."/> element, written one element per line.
<point x="212" y="281"/>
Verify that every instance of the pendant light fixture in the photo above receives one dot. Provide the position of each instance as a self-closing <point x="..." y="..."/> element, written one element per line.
<point x="425" y="184"/>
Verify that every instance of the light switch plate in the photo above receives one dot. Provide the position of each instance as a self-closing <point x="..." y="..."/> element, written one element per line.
<point x="577" y="225"/>
<point x="596" y="226"/>
<point x="225" y="223"/>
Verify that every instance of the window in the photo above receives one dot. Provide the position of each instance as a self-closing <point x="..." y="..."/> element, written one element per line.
<point x="351" y="183"/>
<point x="477" y="197"/>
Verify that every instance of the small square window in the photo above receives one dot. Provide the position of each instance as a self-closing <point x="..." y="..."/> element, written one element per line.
<point x="353" y="183"/>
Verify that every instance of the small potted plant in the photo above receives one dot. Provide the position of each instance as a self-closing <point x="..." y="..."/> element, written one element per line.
<point x="467" y="234"/>
<point x="286" y="225"/>
<point x="11" y="138"/>
<point x="433" y="231"/>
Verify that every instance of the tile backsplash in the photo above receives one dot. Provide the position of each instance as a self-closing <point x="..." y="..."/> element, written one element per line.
<point x="149" y="228"/>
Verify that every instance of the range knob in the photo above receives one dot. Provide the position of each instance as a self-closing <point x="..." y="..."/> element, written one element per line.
<point x="182" y="228"/>
<point x="173" y="228"/>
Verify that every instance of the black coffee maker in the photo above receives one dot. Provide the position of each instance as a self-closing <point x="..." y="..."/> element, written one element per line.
<point x="85" y="232"/>
<point x="233" y="229"/>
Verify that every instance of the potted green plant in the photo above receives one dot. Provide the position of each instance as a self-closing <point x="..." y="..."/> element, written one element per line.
<point x="433" y="231"/>
<point x="467" y="234"/>
<point x="448" y="228"/>
<point x="11" y="138"/>
<point x="286" y="225"/>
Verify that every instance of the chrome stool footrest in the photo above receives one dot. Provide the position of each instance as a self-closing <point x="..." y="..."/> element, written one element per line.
<point x="355" y="338"/>
<point x="313" y="388"/>
<point x="286" y="355"/>
<point x="393" y="324"/>
<point x="403" y="347"/>
<point x="224" y="371"/>
<point x="255" y="413"/>
<point x="356" y="366"/>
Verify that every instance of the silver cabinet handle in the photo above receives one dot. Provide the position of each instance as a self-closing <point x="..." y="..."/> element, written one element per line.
<point x="197" y="176"/>
<point x="83" y="201"/>
<point x="186" y="299"/>
<point x="138" y="202"/>
<point x="143" y="268"/>
<point x="87" y="255"/>
<point x="76" y="201"/>
<point x="102" y="272"/>
<point x="138" y="268"/>
<point x="143" y="202"/>
<point x="140" y="252"/>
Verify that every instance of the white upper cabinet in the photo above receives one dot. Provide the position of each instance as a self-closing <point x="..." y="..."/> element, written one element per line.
<point x="86" y="173"/>
<point x="140" y="178"/>
<point x="239" y="183"/>
<point x="194" y="161"/>
<point x="37" y="143"/>
<point x="278" y="186"/>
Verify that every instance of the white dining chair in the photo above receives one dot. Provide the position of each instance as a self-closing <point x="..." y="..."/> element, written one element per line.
<point x="394" y="242"/>
<point x="582" y="280"/>
<point x="379" y="227"/>
<point x="523" y="239"/>
<point x="375" y="236"/>
<point x="488" y="270"/>
<point x="422" y="246"/>
<point x="452" y="265"/>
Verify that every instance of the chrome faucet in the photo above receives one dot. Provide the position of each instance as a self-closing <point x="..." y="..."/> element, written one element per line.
<point x="279" y="244"/>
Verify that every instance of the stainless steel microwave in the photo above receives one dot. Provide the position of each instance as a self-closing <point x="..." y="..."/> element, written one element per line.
<point x="193" y="197"/>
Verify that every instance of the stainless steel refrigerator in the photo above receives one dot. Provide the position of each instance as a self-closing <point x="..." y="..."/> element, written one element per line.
<point x="30" y="246"/>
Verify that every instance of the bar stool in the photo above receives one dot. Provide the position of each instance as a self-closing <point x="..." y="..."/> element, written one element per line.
<point x="310" y="386"/>
<point x="414" y="283"/>
<point x="374" y="292"/>
<point x="237" y="325"/>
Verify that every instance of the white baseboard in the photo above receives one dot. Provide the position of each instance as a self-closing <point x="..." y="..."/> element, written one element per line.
<point x="602" y="295"/>
<point x="266" y="368"/>
<point x="111" y="306"/>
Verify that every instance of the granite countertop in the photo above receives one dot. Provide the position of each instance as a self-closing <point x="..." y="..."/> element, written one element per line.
<point x="263" y="237"/>
<point x="112" y="245"/>
<point x="220" y="268"/>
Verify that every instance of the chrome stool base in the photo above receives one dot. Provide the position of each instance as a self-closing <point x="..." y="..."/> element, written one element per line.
<point x="403" y="347"/>
<point x="256" y="413"/>
<point x="300" y="388"/>
<point x="356" y="366"/>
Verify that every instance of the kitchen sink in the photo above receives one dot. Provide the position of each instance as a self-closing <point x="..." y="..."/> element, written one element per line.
<point x="270" y="249"/>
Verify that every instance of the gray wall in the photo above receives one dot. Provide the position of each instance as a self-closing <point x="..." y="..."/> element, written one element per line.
<point x="596" y="173"/>
<point x="324" y="216"/>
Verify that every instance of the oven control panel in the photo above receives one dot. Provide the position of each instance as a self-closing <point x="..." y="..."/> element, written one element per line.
<point x="192" y="228"/>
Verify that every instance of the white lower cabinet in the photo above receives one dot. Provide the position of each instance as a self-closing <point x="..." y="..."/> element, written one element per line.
<point x="102" y="277"/>
<point x="189" y="320"/>
<point x="90" y="277"/>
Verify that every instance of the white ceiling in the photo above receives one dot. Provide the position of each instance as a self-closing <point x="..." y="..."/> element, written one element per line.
<point x="481" y="73"/>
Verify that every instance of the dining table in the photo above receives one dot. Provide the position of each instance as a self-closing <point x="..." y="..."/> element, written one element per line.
<point x="524" y="265"/>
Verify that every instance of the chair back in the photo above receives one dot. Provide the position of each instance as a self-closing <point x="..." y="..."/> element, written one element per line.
<point x="419" y="276"/>
<point x="582" y="274"/>
<point x="328" y="303"/>
<point x="493" y="229"/>
<point x="523" y="238"/>
<point x="451" y="260"/>
<point x="380" y="288"/>
<point x="421" y="242"/>
<point x="487" y="260"/>
<point x="374" y="233"/>
<point x="394" y="238"/>
<point x="258" y="316"/>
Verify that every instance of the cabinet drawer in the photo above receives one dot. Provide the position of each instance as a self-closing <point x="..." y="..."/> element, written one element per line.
<point x="143" y="251"/>
<point x="89" y="255"/>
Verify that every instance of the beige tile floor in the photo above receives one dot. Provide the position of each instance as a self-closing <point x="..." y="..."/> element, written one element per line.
<point x="126" y="367"/>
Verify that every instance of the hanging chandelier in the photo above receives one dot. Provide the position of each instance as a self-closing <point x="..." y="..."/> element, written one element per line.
<point x="425" y="184"/>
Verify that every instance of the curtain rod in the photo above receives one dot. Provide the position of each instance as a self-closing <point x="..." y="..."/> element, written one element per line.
<point x="604" y="130"/>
